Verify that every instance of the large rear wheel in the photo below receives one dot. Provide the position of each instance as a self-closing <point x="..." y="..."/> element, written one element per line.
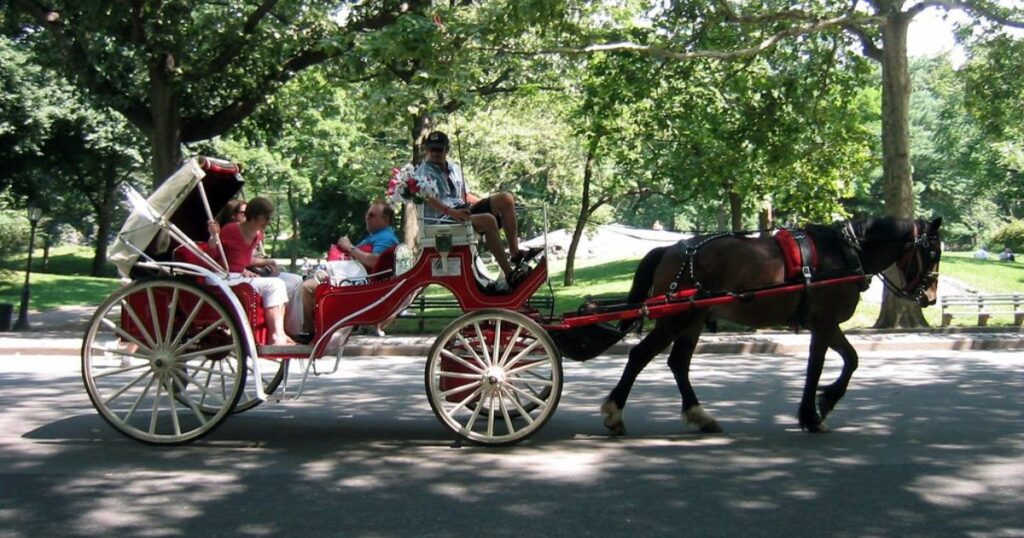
<point x="163" y="361"/>
<point x="494" y="377"/>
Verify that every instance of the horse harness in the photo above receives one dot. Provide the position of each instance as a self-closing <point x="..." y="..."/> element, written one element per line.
<point x="800" y="258"/>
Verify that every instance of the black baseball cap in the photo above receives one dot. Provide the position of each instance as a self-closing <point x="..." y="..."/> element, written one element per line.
<point x="437" y="139"/>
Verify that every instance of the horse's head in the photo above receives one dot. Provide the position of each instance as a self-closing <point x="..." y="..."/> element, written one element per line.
<point x="919" y="265"/>
<point x="914" y="247"/>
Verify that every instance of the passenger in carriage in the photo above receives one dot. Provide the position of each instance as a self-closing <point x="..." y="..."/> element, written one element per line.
<point x="240" y="240"/>
<point x="381" y="236"/>
<point x="488" y="215"/>
<point x="233" y="211"/>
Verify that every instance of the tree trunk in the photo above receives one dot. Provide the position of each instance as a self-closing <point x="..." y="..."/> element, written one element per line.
<point x="735" y="210"/>
<point x="765" y="220"/>
<point x="165" y="137"/>
<point x="585" y="212"/>
<point x="104" y="206"/>
<point x="897" y="183"/>
<point x="422" y="124"/>
<point x="293" y="243"/>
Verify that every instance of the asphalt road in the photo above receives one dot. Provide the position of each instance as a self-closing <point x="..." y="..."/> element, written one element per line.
<point x="926" y="443"/>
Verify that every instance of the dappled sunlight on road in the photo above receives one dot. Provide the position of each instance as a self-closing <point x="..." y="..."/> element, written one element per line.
<point x="923" y="441"/>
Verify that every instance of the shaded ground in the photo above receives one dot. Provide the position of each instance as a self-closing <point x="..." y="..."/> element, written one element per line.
<point x="926" y="444"/>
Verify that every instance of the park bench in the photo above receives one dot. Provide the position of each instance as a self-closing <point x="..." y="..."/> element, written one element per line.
<point x="446" y="306"/>
<point x="984" y="306"/>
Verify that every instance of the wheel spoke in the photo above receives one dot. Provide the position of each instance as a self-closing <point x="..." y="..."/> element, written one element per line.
<point x="126" y="306"/>
<point x="127" y="386"/>
<point x="157" y="337"/>
<point x="122" y="370"/>
<point x="171" y="310"/>
<point x="99" y="349"/>
<point x="187" y="400"/>
<point x="529" y="349"/>
<point x="462" y="361"/>
<point x="461" y="389"/>
<point x="483" y="344"/>
<point x="186" y="325"/>
<point x="168" y="386"/>
<point x="125" y="336"/>
<point x="515" y="401"/>
<point x="504" y="412"/>
<point x="476" y="414"/>
<point x="490" y="415"/>
<point x="202" y="334"/>
<point x="528" y="396"/>
<point x="458" y="375"/>
<point x="495" y="354"/>
<point x="156" y="408"/>
<point x="511" y="345"/>
<point x="204" y="389"/>
<point x="464" y="402"/>
<point x="210" y="351"/>
<point x="138" y="401"/>
<point x="526" y="367"/>
<point x="462" y="340"/>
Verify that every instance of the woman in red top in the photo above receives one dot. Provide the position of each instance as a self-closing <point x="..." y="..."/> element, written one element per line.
<point x="240" y="240"/>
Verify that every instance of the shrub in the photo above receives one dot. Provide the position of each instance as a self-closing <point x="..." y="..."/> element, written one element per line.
<point x="1009" y="235"/>
<point x="14" y="229"/>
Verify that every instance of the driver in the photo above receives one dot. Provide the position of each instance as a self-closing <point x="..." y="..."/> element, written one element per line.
<point x="455" y="203"/>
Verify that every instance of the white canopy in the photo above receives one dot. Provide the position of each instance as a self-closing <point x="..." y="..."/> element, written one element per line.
<point x="152" y="215"/>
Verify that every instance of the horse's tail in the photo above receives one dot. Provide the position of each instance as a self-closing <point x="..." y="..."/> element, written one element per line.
<point x="643" y="280"/>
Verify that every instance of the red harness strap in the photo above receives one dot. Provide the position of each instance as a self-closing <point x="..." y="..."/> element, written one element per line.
<point x="799" y="253"/>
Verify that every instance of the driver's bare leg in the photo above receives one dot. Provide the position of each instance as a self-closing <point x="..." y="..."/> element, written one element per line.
<point x="485" y="223"/>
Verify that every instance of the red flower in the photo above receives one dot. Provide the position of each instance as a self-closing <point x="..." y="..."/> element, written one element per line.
<point x="412" y="185"/>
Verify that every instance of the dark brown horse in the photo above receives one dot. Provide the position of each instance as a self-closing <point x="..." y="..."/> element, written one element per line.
<point x="729" y="263"/>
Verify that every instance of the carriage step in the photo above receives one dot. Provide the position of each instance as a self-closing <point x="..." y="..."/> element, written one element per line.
<point x="285" y="352"/>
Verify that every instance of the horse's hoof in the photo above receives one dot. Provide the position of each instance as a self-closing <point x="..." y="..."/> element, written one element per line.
<point x="697" y="416"/>
<point x="825" y="406"/>
<point x="820" y="427"/>
<point x="612" y="415"/>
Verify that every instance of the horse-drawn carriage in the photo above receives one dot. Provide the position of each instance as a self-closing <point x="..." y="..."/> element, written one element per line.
<point x="181" y="346"/>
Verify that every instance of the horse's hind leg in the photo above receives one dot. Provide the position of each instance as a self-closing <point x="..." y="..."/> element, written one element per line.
<point x="641" y="354"/>
<point x="679" y="362"/>
<point x="831" y="394"/>
<point x="810" y="420"/>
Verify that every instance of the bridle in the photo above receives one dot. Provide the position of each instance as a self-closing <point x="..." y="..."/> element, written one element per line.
<point x="919" y="268"/>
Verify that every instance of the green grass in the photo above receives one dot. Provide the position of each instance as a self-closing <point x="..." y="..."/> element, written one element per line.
<point x="63" y="260"/>
<point x="988" y="276"/>
<point x="51" y="291"/>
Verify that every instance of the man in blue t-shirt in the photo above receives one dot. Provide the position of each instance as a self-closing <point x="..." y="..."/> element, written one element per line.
<point x="379" y="217"/>
<point x="382" y="236"/>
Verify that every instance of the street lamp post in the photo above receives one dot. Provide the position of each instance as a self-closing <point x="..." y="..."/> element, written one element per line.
<point x="34" y="213"/>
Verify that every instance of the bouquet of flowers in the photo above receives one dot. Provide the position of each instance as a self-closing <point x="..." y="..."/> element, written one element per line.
<point x="406" y="186"/>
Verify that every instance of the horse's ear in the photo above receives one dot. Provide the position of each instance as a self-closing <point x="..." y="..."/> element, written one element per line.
<point x="933" y="226"/>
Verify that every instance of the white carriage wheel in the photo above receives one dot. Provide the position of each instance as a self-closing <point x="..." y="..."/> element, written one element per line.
<point x="167" y="382"/>
<point x="494" y="377"/>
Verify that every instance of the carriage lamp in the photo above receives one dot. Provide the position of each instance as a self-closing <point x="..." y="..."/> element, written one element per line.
<point x="34" y="214"/>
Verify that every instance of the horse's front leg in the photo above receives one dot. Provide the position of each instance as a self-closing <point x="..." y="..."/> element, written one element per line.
<point x="679" y="362"/>
<point x="641" y="354"/>
<point x="808" y="415"/>
<point x="831" y="394"/>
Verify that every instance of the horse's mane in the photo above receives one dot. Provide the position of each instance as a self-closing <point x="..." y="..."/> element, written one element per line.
<point x="882" y="228"/>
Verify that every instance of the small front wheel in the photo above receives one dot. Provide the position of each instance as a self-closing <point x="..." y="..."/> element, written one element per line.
<point x="494" y="377"/>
